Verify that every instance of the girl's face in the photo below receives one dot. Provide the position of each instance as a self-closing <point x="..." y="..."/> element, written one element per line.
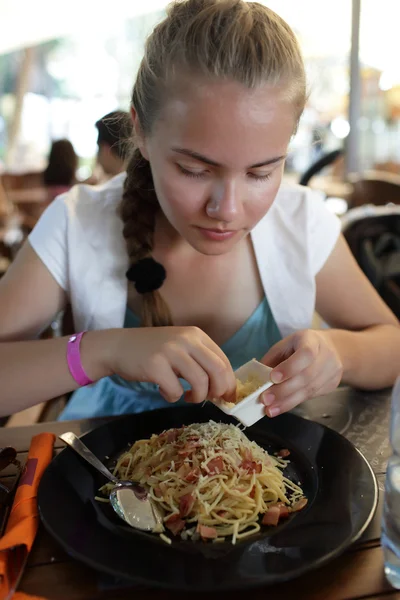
<point x="217" y="153"/>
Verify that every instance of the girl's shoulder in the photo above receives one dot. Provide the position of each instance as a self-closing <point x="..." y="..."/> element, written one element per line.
<point x="97" y="198"/>
<point x="296" y="200"/>
<point x="298" y="226"/>
<point x="297" y="210"/>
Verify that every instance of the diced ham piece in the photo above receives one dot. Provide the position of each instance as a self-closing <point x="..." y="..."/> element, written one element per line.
<point x="271" y="517"/>
<point x="283" y="511"/>
<point x="190" y="448"/>
<point x="175" y="524"/>
<point x="186" y="503"/>
<point x="300" y="504"/>
<point x="184" y="453"/>
<point x="193" y="475"/>
<point x="172" y="434"/>
<point x="284" y="453"/>
<point x="183" y="470"/>
<point x="246" y="454"/>
<point x="215" y="465"/>
<point x="207" y="533"/>
<point x="251" y="466"/>
<point x="158" y="492"/>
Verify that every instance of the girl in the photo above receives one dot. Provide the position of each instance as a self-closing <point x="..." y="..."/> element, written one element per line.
<point x="197" y="259"/>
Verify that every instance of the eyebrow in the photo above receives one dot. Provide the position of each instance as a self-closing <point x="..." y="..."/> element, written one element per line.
<point x="213" y="163"/>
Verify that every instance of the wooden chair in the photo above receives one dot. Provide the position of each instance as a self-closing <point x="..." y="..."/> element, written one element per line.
<point x="22" y="181"/>
<point x="388" y="167"/>
<point x="324" y="161"/>
<point x="374" y="187"/>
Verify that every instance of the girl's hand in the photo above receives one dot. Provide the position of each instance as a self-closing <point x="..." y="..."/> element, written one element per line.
<point x="305" y="364"/>
<point x="163" y="354"/>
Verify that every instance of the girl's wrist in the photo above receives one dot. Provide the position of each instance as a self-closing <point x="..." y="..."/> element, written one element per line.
<point x="98" y="352"/>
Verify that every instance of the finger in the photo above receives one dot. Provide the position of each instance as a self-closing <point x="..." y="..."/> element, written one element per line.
<point x="189" y="397"/>
<point x="224" y="379"/>
<point x="288" y="404"/>
<point x="170" y="387"/>
<point x="222" y="382"/>
<point x="280" y="391"/>
<point x="171" y="396"/>
<point x="326" y="387"/>
<point x="296" y="363"/>
<point x="277" y="353"/>
<point x="319" y="386"/>
<point x="193" y="372"/>
<point x="211" y="345"/>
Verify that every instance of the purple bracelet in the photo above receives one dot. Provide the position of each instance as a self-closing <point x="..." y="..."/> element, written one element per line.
<point x="74" y="360"/>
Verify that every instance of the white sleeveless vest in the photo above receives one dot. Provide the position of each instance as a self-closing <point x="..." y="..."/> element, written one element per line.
<point x="79" y="239"/>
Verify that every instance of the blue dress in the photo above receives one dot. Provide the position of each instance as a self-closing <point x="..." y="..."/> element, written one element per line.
<point x="115" y="396"/>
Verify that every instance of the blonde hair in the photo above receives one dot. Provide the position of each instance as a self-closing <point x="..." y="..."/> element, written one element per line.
<point x="218" y="39"/>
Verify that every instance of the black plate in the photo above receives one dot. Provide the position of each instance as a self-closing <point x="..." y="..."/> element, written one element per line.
<point x="336" y="478"/>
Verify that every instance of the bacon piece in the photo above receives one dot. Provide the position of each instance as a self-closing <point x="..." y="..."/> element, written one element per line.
<point x="183" y="470"/>
<point x="299" y="505"/>
<point x="158" y="492"/>
<point x="215" y="465"/>
<point x="175" y="524"/>
<point x="283" y="511"/>
<point x="172" y="434"/>
<point x="253" y="492"/>
<point x="163" y="487"/>
<point x="251" y="466"/>
<point x="207" y="533"/>
<point x="271" y="517"/>
<point x="193" y="475"/>
<point x="184" y="453"/>
<point x="186" y="503"/>
<point x="246" y="454"/>
<point x="284" y="453"/>
<point x="188" y="450"/>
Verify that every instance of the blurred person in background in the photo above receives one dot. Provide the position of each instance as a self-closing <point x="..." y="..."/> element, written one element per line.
<point x="114" y="132"/>
<point x="60" y="173"/>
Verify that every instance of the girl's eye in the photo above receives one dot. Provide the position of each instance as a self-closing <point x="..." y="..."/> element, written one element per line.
<point x="195" y="174"/>
<point x="259" y="177"/>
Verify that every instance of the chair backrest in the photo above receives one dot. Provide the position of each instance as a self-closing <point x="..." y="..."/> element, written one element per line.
<point x="374" y="188"/>
<point x="20" y="181"/>
<point x="389" y="167"/>
<point x="324" y="161"/>
<point x="374" y="239"/>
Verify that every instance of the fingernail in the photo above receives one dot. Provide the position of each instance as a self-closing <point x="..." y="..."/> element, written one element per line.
<point x="276" y="376"/>
<point x="273" y="411"/>
<point x="268" y="399"/>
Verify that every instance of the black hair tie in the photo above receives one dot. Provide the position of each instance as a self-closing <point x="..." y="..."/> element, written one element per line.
<point x="147" y="274"/>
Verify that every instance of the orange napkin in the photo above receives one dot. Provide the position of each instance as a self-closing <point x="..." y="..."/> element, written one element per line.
<point x="22" y="596"/>
<point x="24" y="517"/>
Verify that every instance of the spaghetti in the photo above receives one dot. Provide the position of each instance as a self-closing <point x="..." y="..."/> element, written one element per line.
<point x="211" y="481"/>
